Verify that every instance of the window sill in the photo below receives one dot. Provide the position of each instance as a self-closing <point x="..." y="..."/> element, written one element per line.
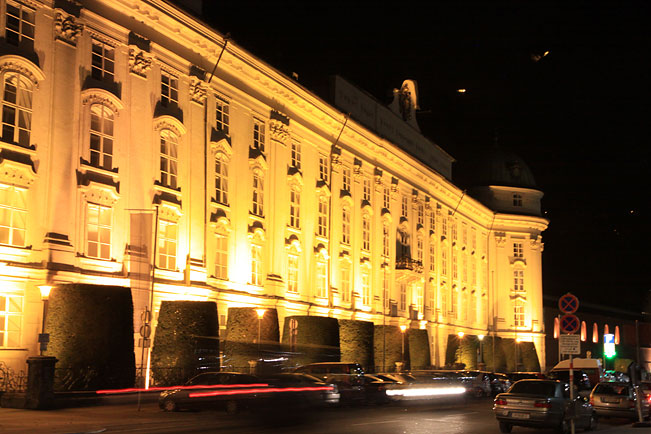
<point x="88" y="262"/>
<point x="87" y="167"/>
<point x="31" y="150"/>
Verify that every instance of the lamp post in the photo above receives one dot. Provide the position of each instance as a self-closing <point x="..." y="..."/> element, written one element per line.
<point x="481" y="348"/>
<point x="403" y="328"/>
<point x="517" y="347"/>
<point x="460" y="335"/>
<point x="44" y="338"/>
<point x="260" y="313"/>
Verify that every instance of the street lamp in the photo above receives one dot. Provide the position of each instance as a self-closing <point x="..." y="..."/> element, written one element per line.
<point x="517" y="345"/>
<point x="403" y="328"/>
<point x="460" y="335"/>
<point x="43" y="338"/>
<point x="481" y="345"/>
<point x="260" y="313"/>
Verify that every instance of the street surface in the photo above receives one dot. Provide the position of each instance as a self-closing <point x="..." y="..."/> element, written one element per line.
<point x="473" y="417"/>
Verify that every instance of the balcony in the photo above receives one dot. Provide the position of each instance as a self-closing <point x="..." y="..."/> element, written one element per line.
<point x="408" y="263"/>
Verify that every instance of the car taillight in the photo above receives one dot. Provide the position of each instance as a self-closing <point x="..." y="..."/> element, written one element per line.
<point x="500" y="401"/>
<point x="542" y="404"/>
<point x="591" y="400"/>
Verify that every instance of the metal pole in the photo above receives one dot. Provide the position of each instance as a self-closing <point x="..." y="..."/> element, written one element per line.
<point x="384" y="319"/>
<point x="572" y="394"/>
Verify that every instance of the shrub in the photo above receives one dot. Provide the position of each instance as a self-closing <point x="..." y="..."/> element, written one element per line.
<point x="241" y="343"/>
<point x="187" y="333"/>
<point x="356" y="342"/>
<point x="419" y="354"/>
<point x="317" y="339"/>
<point x="91" y="335"/>
<point x="528" y="357"/>
<point x="387" y="344"/>
<point x="493" y="354"/>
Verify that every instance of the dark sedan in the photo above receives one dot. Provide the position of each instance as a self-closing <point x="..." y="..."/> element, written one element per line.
<point x="231" y="391"/>
<point x="542" y="404"/>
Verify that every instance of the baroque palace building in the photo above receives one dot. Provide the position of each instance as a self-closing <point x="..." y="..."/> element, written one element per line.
<point x="265" y="195"/>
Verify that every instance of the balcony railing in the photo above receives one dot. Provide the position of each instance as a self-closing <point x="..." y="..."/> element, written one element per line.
<point x="408" y="263"/>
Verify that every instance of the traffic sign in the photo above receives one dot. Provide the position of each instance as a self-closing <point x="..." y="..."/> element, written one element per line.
<point x="570" y="323"/>
<point x="570" y="344"/>
<point x="568" y="303"/>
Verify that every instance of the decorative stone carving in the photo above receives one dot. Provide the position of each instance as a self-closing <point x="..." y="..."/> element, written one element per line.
<point x="279" y="131"/>
<point x="198" y="91"/>
<point x="65" y="27"/>
<point x="335" y="156"/>
<point x="357" y="167"/>
<point x="377" y="173"/>
<point x="139" y="61"/>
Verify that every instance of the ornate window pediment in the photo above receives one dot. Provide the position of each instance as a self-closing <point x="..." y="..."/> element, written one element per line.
<point x="101" y="96"/>
<point x="167" y="122"/>
<point x="221" y="148"/>
<point x="21" y="65"/>
<point x="99" y="193"/>
<point x="14" y="173"/>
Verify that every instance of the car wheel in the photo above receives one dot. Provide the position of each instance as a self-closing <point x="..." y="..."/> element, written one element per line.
<point x="592" y="425"/>
<point x="170" y="405"/>
<point x="564" y="427"/>
<point x="505" y="427"/>
<point x="232" y="407"/>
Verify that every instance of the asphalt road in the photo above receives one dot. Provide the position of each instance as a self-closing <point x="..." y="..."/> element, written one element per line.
<point x="468" y="418"/>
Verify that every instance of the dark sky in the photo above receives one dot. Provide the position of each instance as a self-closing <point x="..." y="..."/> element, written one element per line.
<point x="578" y="116"/>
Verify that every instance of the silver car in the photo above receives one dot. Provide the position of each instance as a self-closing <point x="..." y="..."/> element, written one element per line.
<point x="615" y="399"/>
<point x="542" y="404"/>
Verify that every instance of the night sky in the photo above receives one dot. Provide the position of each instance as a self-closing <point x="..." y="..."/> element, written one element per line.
<point x="578" y="116"/>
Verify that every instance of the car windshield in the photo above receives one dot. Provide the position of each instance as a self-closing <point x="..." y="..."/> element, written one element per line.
<point x="611" y="389"/>
<point x="541" y="388"/>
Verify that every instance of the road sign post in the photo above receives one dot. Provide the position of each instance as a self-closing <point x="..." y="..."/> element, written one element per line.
<point x="568" y="342"/>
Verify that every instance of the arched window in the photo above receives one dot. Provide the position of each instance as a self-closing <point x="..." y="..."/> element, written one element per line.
<point x="295" y="207"/>
<point x="256" y="263"/>
<point x="167" y="241"/>
<point x="518" y="313"/>
<point x="16" y="109"/>
<point x="168" y="158"/>
<point x="344" y="270"/>
<point x="221" y="256"/>
<point x="322" y="217"/>
<point x="258" y="195"/>
<point x="366" y="233"/>
<point x="101" y="136"/>
<point x="345" y="225"/>
<point x="321" y="275"/>
<point x="292" y="270"/>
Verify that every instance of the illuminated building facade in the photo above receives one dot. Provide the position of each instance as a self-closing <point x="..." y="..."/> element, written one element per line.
<point x="266" y="195"/>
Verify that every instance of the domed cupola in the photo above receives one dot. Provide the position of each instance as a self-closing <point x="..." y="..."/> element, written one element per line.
<point x="504" y="182"/>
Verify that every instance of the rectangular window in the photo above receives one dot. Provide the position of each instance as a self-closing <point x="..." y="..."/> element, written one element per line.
<point x="473" y="239"/>
<point x="168" y="159"/>
<point x="444" y="261"/>
<point x="432" y="222"/>
<point x="366" y="233"/>
<point x="221" y="181"/>
<point x="11" y="315"/>
<point x="518" y="280"/>
<point x="98" y="231"/>
<point x="366" y="287"/>
<point x="167" y="240"/>
<point x="345" y="282"/>
<point x="345" y="225"/>
<point x="453" y="225"/>
<point x="444" y="299"/>
<point x="419" y="249"/>
<point x="16" y="109"/>
<point x="518" y="313"/>
<point x="367" y="190"/>
<point x="345" y="178"/>
<point x="464" y="234"/>
<point x="421" y="214"/>
<point x="221" y="257"/>
<point x="20" y="26"/>
<point x="518" y="250"/>
<point x="473" y="271"/>
<point x="473" y="308"/>
<point x="222" y="115"/>
<point x="256" y="264"/>
<point x="258" y="135"/>
<point x="169" y="90"/>
<point x="292" y="273"/>
<point x="517" y="199"/>
<point x="385" y="289"/>
<point x="404" y="209"/>
<point x="294" y="208"/>
<point x="258" y="196"/>
<point x="464" y="268"/>
<point x="13" y="215"/>
<point x="321" y="278"/>
<point x="386" y="242"/>
<point x="419" y="298"/>
<point x="324" y="169"/>
<point x="455" y="268"/>
<point x="102" y="61"/>
<point x="432" y="255"/>
<point x="444" y="228"/>
<point x="386" y="198"/>
<point x="454" y="301"/>
<point x="322" y="224"/>
<point x="101" y="136"/>
<point x="403" y="297"/>
<point x="295" y="157"/>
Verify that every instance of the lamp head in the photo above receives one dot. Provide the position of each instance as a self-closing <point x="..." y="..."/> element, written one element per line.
<point x="403" y="328"/>
<point x="260" y="313"/>
<point x="45" y="291"/>
<point x="480" y="337"/>
<point x="460" y="334"/>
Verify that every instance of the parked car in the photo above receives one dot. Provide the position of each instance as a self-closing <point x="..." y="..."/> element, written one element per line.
<point x="581" y="380"/>
<point x="542" y="404"/>
<point x="326" y="394"/>
<point x="517" y="376"/>
<point x="478" y="382"/>
<point x="349" y="378"/>
<point x="612" y="399"/>
<point x="398" y="377"/>
<point x="231" y="391"/>
<point x="500" y="383"/>
<point x="375" y="388"/>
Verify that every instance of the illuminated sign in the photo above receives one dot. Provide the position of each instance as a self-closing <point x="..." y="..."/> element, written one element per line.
<point x="609" y="346"/>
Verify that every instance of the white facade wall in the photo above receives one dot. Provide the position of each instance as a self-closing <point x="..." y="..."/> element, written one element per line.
<point x="62" y="183"/>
